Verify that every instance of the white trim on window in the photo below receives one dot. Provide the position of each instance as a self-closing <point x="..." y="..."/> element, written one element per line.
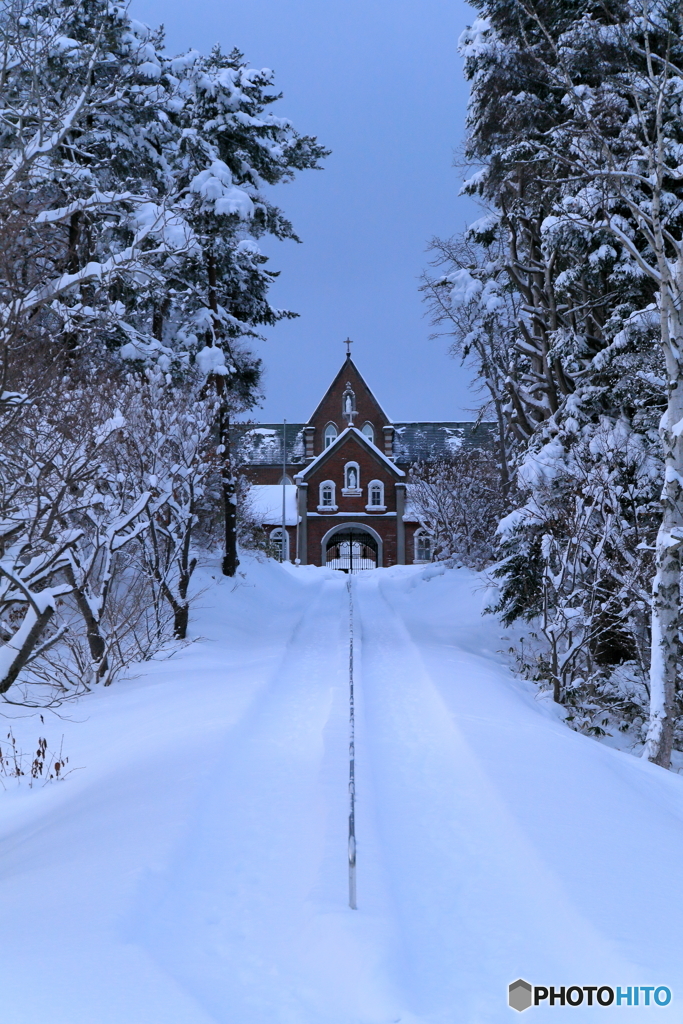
<point x="276" y="540"/>
<point x="330" y="434"/>
<point x="376" y="491"/>
<point x="351" y="472"/>
<point x="368" y="431"/>
<point x="419" y="546"/>
<point x="327" y="500"/>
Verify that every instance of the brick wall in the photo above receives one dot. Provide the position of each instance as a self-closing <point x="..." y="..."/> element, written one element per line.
<point x="370" y="468"/>
<point x="330" y="408"/>
<point x="332" y="468"/>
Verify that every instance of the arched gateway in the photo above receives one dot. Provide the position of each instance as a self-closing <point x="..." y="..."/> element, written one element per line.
<point x="351" y="548"/>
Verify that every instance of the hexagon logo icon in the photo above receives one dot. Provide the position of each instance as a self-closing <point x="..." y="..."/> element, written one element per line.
<point x="519" y="995"/>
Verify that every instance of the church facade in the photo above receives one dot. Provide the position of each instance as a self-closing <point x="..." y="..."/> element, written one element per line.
<point x="340" y="482"/>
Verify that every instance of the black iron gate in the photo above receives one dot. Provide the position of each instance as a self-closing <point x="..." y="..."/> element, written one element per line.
<point x="352" y="551"/>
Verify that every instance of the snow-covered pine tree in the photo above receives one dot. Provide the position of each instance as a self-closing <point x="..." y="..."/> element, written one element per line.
<point x="620" y="148"/>
<point x="230" y="149"/>
<point x="579" y="293"/>
<point x="132" y="189"/>
<point x="83" y="187"/>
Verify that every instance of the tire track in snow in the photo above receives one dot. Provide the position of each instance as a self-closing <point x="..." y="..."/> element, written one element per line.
<point x="251" y="917"/>
<point x="352" y="761"/>
<point x="245" y="872"/>
<point x="474" y="902"/>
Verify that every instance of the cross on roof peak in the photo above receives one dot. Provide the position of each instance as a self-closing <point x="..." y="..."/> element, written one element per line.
<point x="348" y="344"/>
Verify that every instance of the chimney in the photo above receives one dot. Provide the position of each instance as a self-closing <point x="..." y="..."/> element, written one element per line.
<point x="388" y="441"/>
<point x="309" y="435"/>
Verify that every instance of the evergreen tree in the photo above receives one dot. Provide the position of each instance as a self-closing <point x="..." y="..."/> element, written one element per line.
<point x="133" y="190"/>
<point x="230" y="148"/>
<point x="574" y="122"/>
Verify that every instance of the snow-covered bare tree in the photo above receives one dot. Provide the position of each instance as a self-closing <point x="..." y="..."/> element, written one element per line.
<point x="170" y="448"/>
<point x="471" y="302"/>
<point x="63" y="520"/>
<point x="459" y="500"/>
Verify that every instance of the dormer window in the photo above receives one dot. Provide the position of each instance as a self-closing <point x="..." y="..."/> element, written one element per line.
<point x="369" y="432"/>
<point x="330" y="434"/>
<point x="352" y="479"/>
<point x="376" y="496"/>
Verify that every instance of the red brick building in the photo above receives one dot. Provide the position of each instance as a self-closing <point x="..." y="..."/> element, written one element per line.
<point x="341" y="479"/>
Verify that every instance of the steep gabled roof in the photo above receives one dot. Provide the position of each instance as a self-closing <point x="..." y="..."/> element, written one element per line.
<point x="356" y="435"/>
<point x="364" y="394"/>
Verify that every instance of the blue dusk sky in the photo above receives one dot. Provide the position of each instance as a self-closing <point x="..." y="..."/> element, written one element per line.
<point x="380" y="83"/>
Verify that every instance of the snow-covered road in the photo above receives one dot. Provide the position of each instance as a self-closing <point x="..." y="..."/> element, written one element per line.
<point x="195" y="871"/>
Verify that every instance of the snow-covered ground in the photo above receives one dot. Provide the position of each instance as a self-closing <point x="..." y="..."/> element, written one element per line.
<point x="194" y="870"/>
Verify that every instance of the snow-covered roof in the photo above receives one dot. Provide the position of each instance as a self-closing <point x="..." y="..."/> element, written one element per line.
<point x="339" y="440"/>
<point x="427" y="440"/>
<point x="265" y="503"/>
<point x="261" y="443"/>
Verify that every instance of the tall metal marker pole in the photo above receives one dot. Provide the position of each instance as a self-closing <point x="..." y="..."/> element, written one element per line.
<point x="284" y="492"/>
<point x="352" y="763"/>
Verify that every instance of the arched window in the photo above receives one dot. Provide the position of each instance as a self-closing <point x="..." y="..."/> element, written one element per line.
<point x="423" y="546"/>
<point x="369" y="431"/>
<point x="352" y="478"/>
<point x="276" y="545"/>
<point x="327" y="503"/>
<point x="376" y="496"/>
<point x="330" y="434"/>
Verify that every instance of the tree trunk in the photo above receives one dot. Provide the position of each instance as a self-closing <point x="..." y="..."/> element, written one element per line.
<point x="17" y="652"/>
<point x="229" y="491"/>
<point x="667" y="582"/>
<point x="181" y="615"/>
<point x="96" y="642"/>
<point x="181" y="609"/>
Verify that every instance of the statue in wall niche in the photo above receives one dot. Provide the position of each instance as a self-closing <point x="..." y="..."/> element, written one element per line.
<point x="348" y="404"/>
<point x="352" y="479"/>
